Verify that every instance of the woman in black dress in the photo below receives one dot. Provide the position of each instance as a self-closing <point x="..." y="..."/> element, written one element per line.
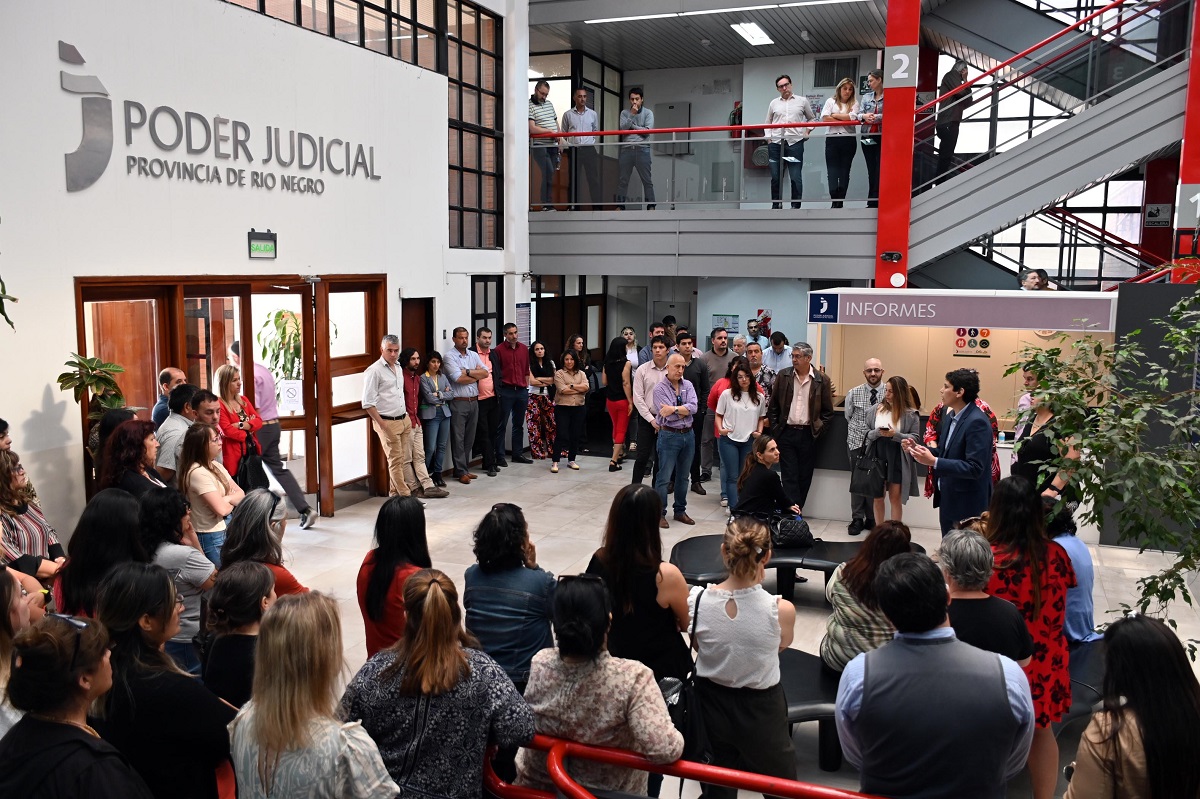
<point x="760" y="492"/>
<point x="129" y="456"/>
<point x="1038" y="448"/>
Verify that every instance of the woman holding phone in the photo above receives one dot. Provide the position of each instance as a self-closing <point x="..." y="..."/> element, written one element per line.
<point x="892" y="421"/>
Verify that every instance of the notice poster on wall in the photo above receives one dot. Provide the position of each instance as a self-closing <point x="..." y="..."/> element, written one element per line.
<point x="524" y="314"/>
<point x="291" y="396"/>
<point x="972" y="342"/>
<point x="729" y="321"/>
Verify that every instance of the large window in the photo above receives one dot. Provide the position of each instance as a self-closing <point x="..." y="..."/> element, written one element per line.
<point x="475" y="71"/>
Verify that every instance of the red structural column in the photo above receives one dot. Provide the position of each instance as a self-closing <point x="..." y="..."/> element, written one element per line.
<point x="1187" y="209"/>
<point x="896" y="151"/>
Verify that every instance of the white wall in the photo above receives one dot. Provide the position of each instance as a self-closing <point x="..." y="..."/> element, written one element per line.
<point x="211" y="58"/>
<point x="787" y="298"/>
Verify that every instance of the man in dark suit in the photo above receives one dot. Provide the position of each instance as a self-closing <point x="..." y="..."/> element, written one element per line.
<point x="801" y="406"/>
<point x="962" y="469"/>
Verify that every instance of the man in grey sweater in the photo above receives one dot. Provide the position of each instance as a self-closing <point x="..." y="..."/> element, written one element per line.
<point x="635" y="152"/>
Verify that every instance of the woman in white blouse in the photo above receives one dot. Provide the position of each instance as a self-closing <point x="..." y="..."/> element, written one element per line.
<point x="840" y="142"/>
<point x="741" y="416"/>
<point x="894" y="419"/>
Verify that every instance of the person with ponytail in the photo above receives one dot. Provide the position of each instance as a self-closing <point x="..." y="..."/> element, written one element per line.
<point x="581" y="692"/>
<point x="60" y="666"/>
<point x="739" y="631"/>
<point x="170" y="727"/>
<point x="431" y="687"/>
<point x="288" y="741"/>
<point x="239" y="597"/>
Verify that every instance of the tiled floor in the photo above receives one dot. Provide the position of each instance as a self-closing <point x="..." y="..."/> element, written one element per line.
<point x="566" y="514"/>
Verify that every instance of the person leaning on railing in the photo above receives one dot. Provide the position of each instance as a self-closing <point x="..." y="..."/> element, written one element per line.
<point x="840" y="142"/>
<point x="871" y="116"/>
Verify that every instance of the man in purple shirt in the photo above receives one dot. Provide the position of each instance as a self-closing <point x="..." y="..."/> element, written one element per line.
<point x="268" y="436"/>
<point x="674" y="404"/>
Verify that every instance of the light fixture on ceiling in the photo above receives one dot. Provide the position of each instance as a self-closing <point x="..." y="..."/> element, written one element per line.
<point x="731" y="10"/>
<point x="630" y="19"/>
<point x="804" y="36"/>
<point x="726" y="10"/>
<point x="820" y="3"/>
<point x="752" y="33"/>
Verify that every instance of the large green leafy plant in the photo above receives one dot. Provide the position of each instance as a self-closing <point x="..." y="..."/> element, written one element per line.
<point x="96" y="377"/>
<point x="1137" y="431"/>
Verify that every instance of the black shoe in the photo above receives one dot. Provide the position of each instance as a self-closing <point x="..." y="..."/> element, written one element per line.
<point x="855" y="527"/>
<point x="650" y="207"/>
<point x="776" y="206"/>
<point x="493" y="472"/>
<point x="869" y="525"/>
<point x="699" y="489"/>
<point x="502" y="463"/>
<point x="521" y="459"/>
<point x="705" y="477"/>
<point x="439" y="481"/>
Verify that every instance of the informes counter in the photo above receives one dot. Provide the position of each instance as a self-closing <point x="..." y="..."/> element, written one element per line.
<point x="923" y="334"/>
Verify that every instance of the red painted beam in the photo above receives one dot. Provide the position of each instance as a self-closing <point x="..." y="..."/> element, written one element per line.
<point x="1189" y="156"/>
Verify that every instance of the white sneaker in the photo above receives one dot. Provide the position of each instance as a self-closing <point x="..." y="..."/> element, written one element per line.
<point x="308" y="519"/>
<point x="724" y="502"/>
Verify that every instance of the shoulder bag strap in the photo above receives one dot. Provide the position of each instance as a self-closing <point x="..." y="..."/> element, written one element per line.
<point x="695" y="617"/>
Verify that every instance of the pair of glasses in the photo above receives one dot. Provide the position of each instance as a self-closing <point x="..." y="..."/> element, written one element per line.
<point x="79" y="628"/>
<point x="585" y="577"/>
<point x="782" y="85"/>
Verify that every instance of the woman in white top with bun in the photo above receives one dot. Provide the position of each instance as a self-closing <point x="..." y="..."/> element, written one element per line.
<point x="741" y="416"/>
<point x="895" y="418"/>
<point x="841" y="143"/>
<point x="738" y="630"/>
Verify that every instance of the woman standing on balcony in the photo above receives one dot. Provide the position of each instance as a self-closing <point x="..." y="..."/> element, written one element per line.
<point x="871" y="116"/>
<point x="840" y="143"/>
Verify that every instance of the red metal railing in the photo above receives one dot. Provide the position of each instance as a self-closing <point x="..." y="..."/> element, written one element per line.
<point x="1108" y="238"/>
<point x="1166" y="274"/>
<point x="558" y="750"/>
<point x="703" y="129"/>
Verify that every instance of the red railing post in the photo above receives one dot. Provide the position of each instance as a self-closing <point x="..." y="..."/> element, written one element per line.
<point x="1187" y="209"/>
<point x="896" y="150"/>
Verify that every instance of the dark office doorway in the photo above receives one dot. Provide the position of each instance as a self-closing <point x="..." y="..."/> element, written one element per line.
<point x="416" y="324"/>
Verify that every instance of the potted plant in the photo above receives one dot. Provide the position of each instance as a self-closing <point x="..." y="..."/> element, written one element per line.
<point x="95" y="377"/>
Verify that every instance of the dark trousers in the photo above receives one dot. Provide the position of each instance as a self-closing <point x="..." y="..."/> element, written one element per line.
<point x="776" y="151"/>
<point x="947" y="141"/>
<point x="631" y="156"/>
<point x="862" y="507"/>
<point x="545" y="162"/>
<point x="748" y="730"/>
<point x="647" y="443"/>
<point x="571" y="420"/>
<point x="797" y="458"/>
<point x="839" y="155"/>
<point x="268" y="438"/>
<point x="485" y="431"/>
<point x="585" y="164"/>
<point x="871" y="156"/>
<point x="513" y="404"/>
<point x="698" y="426"/>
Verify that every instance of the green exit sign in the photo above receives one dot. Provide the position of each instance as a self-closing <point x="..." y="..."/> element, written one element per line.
<point x="262" y="245"/>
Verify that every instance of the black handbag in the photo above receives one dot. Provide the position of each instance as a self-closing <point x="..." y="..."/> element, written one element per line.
<point x="250" y="473"/>
<point x="867" y="475"/>
<point x="683" y="705"/>
<point x="788" y="532"/>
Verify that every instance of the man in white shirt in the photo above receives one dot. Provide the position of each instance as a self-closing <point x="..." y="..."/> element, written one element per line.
<point x="786" y="145"/>
<point x="383" y="400"/>
<point x="582" y="149"/>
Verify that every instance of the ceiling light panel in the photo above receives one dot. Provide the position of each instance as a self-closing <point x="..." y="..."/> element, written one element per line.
<point x="752" y="33"/>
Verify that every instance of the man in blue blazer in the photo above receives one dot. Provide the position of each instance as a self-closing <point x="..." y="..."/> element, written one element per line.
<point x="962" y="468"/>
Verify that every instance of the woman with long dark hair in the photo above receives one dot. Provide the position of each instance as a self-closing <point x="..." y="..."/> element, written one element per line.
<point x="1144" y="743"/>
<point x="759" y="489"/>
<point x="871" y="116"/>
<point x="60" y="667"/>
<point x="582" y="692"/>
<point x="1034" y="574"/>
<point x="434" y="685"/>
<point x="164" y="519"/>
<point x="102" y="431"/>
<point x="618" y="384"/>
<point x="570" y="411"/>
<point x="170" y="727"/>
<point x="539" y="419"/>
<point x="129" y="458"/>
<point x="256" y="533"/>
<point x="288" y="741"/>
<point x="14" y="617"/>
<point x="107" y="533"/>
<point x="740" y="419"/>
<point x="239" y="597"/>
<point x="208" y="486"/>
<point x="28" y="543"/>
<point x="895" y="419"/>
<point x="857" y="624"/>
<point x="401" y="550"/>
<point x="434" y="410"/>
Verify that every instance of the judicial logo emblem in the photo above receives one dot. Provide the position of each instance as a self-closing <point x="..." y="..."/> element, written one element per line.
<point x="87" y="163"/>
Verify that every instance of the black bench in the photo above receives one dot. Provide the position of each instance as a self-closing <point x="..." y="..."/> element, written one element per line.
<point x="811" y="693"/>
<point x="699" y="559"/>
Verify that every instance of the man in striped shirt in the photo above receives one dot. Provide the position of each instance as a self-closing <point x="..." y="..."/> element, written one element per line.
<point x="543" y="152"/>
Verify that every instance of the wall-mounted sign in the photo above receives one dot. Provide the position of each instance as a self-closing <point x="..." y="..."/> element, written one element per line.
<point x="972" y="342"/>
<point x="1157" y="215"/>
<point x="291" y="396"/>
<point x="1011" y="310"/>
<point x="729" y="321"/>
<point x="262" y="245"/>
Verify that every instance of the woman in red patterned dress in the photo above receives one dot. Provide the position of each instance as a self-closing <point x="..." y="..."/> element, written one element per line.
<point x="1034" y="574"/>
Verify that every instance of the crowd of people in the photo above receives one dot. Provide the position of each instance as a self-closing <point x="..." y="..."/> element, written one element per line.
<point x="169" y="651"/>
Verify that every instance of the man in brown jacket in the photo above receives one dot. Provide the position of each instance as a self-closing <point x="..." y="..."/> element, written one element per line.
<point x="801" y="406"/>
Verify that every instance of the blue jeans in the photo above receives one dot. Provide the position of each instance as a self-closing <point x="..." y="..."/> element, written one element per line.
<point x="675" y="451"/>
<point x="211" y="543"/>
<point x="436" y="432"/>
<point x="184" y="655"/>
<point x="775" y="154"/>
<point x="733" y="455"/>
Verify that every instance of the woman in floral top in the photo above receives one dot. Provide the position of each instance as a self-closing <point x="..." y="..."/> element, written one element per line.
<point x="580" y="692"/>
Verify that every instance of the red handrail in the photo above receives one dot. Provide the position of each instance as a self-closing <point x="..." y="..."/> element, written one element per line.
<point x="705" y="129"/>
<point x="1024" y="53"/>
<point x="1100" y="233"/>
<point x="560" y="749"/>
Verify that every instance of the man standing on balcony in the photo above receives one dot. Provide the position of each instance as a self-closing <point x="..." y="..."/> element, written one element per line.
<point x="585" y="162"/>
<point x="543" y="152"/>
<point x="949" y="117"/>
<point x="786" y="145"/>
<point x="636" y="150"/>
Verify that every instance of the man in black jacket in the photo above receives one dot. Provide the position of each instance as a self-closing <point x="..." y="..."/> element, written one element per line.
<point x="800" y="408"/>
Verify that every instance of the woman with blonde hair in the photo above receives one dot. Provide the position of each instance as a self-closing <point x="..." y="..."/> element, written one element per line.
<point x="288" y="740"/>
<point x="840" y="142"/>
<point x="435" y="685"/>
<point x="208" y="487"/>
<point x="870" y="114"/>
<point x="889" y="423"/>
<point x="238" y="420"/>
<point x="738" y="630"/>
